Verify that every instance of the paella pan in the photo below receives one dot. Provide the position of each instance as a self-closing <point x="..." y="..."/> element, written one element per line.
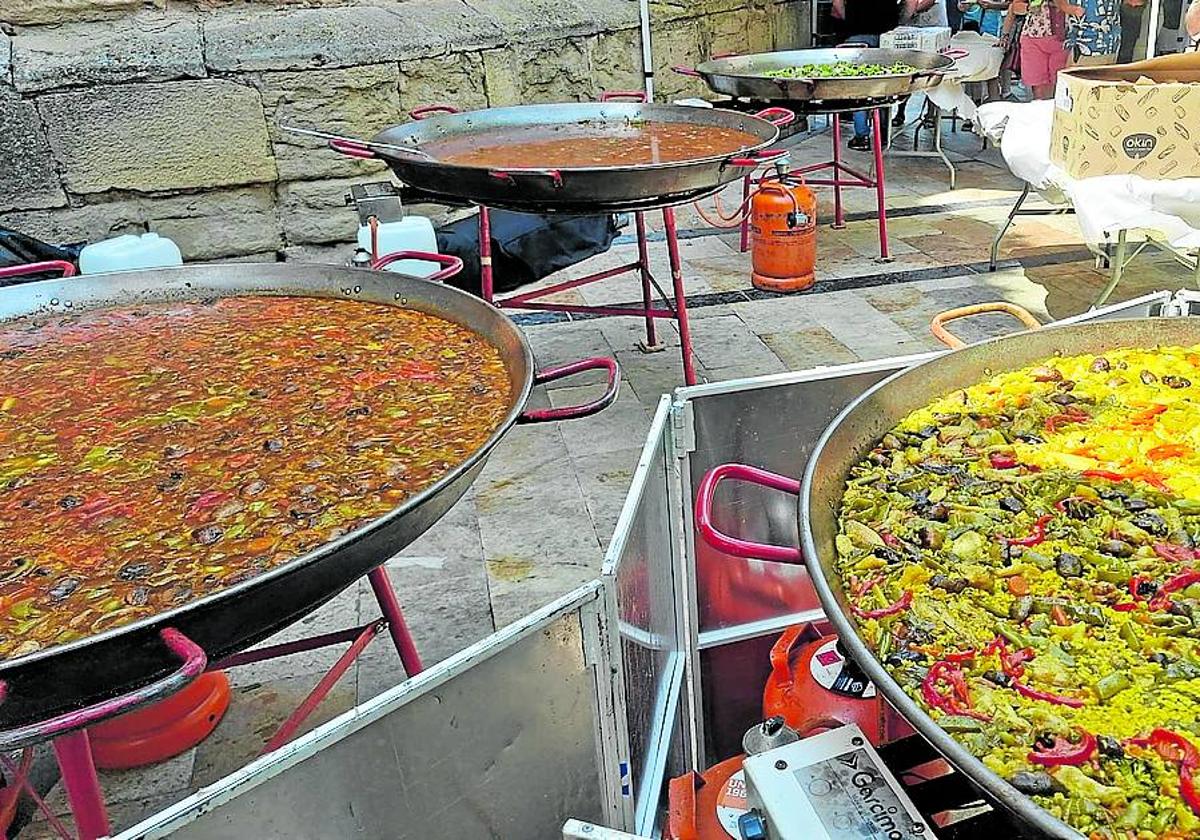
<point x="218" y="450"/>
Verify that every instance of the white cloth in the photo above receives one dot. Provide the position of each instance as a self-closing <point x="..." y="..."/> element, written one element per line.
<point x="977" y="58"/>
<point x="1104" y="205"/>
<point x="935" y="15"/>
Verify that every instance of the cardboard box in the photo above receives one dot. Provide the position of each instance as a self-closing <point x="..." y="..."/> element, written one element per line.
<point x="927" y="38"/>
<point x="1129" y="119"/>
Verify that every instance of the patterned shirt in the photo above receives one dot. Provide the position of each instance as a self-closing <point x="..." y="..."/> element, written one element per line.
<point x="1037" y="21"/>
<point x="1098" y="32"/>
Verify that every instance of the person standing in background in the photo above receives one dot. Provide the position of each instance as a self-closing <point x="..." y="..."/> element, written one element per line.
<point x="862" y="22"/>
<point x="1094" y="34"/>
<point x="1131" y="28"/>
<point x="1192" y="24"/>
<point x="1043" y="30"/>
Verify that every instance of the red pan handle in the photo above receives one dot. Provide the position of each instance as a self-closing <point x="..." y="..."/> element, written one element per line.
<point x="777" y="116"/>
<point x="618" y="95"/>
<point x="193" y="660"/>
<point x="452" y="264"/>
<point x="571" y="412"/>
<point x="732" y="545"/>
<point x="351" y="149"/>
<point x="67" y="269"/>
<point x="684" y="70"/>
<point x="423" y="111"/>
<point x="757" y="158"/>
<point x="508" y="175"/>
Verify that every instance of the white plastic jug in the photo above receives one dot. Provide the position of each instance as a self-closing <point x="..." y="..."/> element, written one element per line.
<point x="412" y="233"/>
<point x="125" y="253"/>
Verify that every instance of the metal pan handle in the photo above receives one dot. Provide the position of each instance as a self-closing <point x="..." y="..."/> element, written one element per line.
<point x="756" y="158"/>
<point x="572" y="412"/>
<point x="423" y="111"/>
<point x="732" y="545"/>
<point x="350" y="148"/>
<point x="193" y="660"/>
<point x="684" y="70"/>
<point x="777" y="116"/>
<point x="509" y="175"/>
<point x="938" y="325"/>
<point x="623" y="95"/>
<point x="452" y="264"/>
<point x="67" y="269"/>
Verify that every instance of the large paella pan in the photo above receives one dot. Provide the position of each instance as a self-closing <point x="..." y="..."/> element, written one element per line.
<point x="218" y="450"/>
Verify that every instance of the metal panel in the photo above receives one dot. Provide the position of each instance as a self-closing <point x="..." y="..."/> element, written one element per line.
<point x="640" y="568"/>
<point x="497" y="741"/>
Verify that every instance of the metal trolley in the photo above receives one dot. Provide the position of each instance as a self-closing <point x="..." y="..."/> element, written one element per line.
<point x="578" y="713"/>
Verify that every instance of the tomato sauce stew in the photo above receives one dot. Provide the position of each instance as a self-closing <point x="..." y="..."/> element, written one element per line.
<point x="592" y="144"/>
<point x="150" y="455"/>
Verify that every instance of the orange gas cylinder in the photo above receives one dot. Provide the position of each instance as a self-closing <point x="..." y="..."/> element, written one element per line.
<point x="812" y="690"/>
<point x="783" y="231"/>
<point x="706" y="806"/>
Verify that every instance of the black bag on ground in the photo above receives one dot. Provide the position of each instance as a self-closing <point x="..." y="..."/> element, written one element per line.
<point x="525" y="247"/>
<point x="18" y="249"/>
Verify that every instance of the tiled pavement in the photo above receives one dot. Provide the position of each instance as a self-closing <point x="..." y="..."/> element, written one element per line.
<point x="538" y="519"/>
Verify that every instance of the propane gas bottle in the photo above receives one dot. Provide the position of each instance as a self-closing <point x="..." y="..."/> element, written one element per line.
<point x="814" y="687"/>
<point x="783" y="236"/>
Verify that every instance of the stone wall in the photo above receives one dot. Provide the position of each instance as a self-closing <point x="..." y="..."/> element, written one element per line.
<point x="122" y="116"/>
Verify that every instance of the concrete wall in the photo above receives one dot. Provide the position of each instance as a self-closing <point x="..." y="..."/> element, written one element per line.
<point x="121" y="116"/>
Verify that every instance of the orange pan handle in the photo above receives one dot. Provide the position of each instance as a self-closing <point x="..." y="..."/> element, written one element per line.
<point x="938" y="325"/>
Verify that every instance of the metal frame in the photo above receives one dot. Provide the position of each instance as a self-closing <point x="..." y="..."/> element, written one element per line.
<point x="936" y="151"/>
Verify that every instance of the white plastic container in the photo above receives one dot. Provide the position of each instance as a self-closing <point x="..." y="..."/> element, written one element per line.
<point x="412" y="233"/>
<point x="129" y="252"/>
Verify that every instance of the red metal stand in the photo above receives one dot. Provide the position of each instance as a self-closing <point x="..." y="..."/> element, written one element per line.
<point x="838" y="180"/>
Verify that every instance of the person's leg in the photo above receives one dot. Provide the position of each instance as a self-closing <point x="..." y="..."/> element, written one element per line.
<point x="1035" y="72"/>
<point x="862" y="132"/>
<point x="1131" y="30"/>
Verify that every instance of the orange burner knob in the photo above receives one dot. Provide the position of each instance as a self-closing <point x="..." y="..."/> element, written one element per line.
<point x="783" y="235"/>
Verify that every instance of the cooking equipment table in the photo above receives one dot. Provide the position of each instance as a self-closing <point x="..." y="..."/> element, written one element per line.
<point x="55" y="693"/>
<point x="745" y="77"/>
<point x="652" y="670"/>
<point x="579" y="190"/>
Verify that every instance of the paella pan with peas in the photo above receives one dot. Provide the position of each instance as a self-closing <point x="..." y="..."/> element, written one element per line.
<point x="1006" y="539"/>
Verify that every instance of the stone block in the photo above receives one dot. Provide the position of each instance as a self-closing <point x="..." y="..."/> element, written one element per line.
<point x="617" y="61"/>
<point x="209" y="225"/>
<point x="791" y="25"/>
<point x="455" y="23"/>
<point x="456" y="79"/>
<point x="668" y="10"/>
<point x="545" y="20"/>
<point x="356" y="102"/>
<point x="746" y="30"/>
<point x="313" y="212"/>
<point x="306" y="39"/>
<point x="557" y="71"/>
<point x="678" y="43"/>
<point x="27" y="177"/>
<point x="153" y="46"/>
<point x="37" y="12"/>
<point x="159" y="136"/>
<point x="5" y="57"/>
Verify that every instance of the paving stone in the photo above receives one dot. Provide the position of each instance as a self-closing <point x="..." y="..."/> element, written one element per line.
<point x="516" y="595"/>
<point x="610" y="430"/>
<point x="169" y="777"/>
<point x="199" y="134"/>
<point x="775" y="314"/>
<point x="557" y="344"/>
<point x="808" y="347"/>
<point x="856" y="324"/>
<point x="722" y="342"/>
<point x="650" y="375"/>
<point x="153" y="46"/>
<point x="121" y="815"/>
<point x="520" y="453"/>
<point x="253" y="716"/>
<point x="27" y="179"/>
<point x="355" y="102"/>
<point x="302" y="39"/>
<point x="604" y="479"/>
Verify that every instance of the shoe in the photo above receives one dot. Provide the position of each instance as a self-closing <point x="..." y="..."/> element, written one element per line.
<point x="860" y="143"/>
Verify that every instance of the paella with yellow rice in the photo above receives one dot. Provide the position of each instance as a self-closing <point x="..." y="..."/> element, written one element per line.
<point x="1023" y="555"/>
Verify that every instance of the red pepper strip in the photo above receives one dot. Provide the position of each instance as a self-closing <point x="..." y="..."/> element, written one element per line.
<point x="1174" y="747"/>
<point x="1107" y="475"/>
<point x="1035" y="694"/>
<point x="866" y="585"/>
<point x="889" y="539"/>
<point x="1000" y="461"/>
<point x="1065" y="418"/>
<point x="1125" y="606"/>
<point x="1144" y="417"/>
<point x="1037" y="535"/>
<point x="1167" y="450"/>
<point x="1013" y="664"/>
<point x="1180" y="581"/>
<point x="960" y="656"/>
<point x="206" y="502"/>
<point x="1174" y="553"/>
<point x="1065" y="753"/>
<point x="958" y="700"/>
<point x="891" y="609"/>
<point x="1134" y="583"/>
<point x="1187" y="789"/>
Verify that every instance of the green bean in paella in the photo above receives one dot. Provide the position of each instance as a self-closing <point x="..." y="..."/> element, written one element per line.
<point x="1024" y="557"/>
